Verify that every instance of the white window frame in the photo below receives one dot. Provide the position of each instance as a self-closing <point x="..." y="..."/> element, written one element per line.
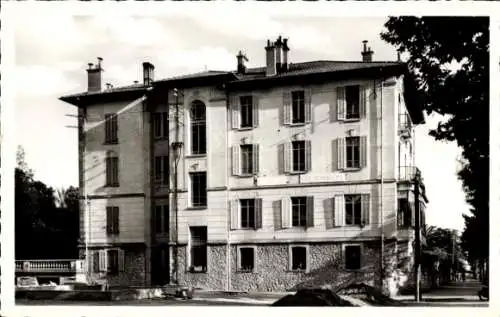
<point x="190" y="190"/>
<point x="162" y="178"/>
<point x="164" y="210"/>
<point x="361" y="256"/>
<point x="238" y="256"/>
<point x="190" y="268"/>
<point x="162" y="121"/>
<point x="342" y="103"/>
<point x="104" y="260"/>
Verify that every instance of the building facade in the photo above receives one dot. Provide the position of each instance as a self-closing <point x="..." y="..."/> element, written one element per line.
<point x="270" y="178"/>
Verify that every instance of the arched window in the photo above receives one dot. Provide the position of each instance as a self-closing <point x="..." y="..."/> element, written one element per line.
<point x="112" y="169"/>
<point x="198" y="128"/>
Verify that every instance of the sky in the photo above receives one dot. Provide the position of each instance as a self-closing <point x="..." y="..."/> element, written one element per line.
<point x="52" y="51"/>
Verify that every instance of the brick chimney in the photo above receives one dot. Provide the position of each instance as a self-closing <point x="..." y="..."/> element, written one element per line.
<point x="94" y="76"/>
<point x="279" y="54"/>
<point x="241" y="62"/>
<point x="270" y="59"/>
<point x="367" y="52"/>
<point x="148" y="71"/>
<point x="286" y="49"/>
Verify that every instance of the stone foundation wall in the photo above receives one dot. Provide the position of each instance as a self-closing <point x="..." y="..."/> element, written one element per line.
<point x="272" y="268"/>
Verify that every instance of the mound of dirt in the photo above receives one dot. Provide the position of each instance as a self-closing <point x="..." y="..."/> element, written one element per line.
<point x="368" y="294"/>
<point x="312" y="297"/>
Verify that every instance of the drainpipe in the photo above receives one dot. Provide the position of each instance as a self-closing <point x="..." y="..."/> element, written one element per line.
<point x="382" y="273"/>
<point x="228" y="223"/>
<point x="176" y="205"/>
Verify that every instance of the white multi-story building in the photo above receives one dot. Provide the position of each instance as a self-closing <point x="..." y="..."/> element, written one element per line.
<point x="269" y="178"/>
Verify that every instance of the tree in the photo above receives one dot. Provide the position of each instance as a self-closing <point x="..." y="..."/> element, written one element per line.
<point x="434" y="45"/>
<point x="42" y="230"/>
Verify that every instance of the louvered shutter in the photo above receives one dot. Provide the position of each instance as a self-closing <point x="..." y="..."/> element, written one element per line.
<point x="235" y="214"/>
<point x="365" y="208"/>
<point x="258" y="213"/>
<point x="287" y="153"/>
<point x="236" y="160"/>
<point x="363" y="101"/>
<point x="165" y="170"/>
<point x="109" y="219"/>
<point x="256" y="111"/>
<point x="339" y="209"/>
<point x="287" y="108"/>
<point x="164" y="123"/>
<point x="310" y="211"/>
<point x="235" y="112"/>
<point x="103" y="261"/>
<point x="412" y="210"/>
<point x="308" y="155"/>
<point x="121" y="260"/>
<point x="341" y="153"/>
<point x="285" y="213"/>
<point x="363" y="144"/>
<point x="96" y="262"/>
<point x="116" y="220"/>
<point x="255" y="159"/>
<point x="308" y="105"/>
<point x="341" y="104"/>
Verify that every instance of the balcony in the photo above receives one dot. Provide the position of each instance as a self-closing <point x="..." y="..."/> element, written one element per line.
<point x="405" y="125"/>
<point x="47" y="266"/>
<point x="408" y="173"/>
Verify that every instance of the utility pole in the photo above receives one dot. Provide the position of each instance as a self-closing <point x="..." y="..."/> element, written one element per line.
<point x="418" y="247"/>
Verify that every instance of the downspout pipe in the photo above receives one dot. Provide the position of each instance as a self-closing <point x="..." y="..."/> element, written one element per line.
<point x="228" y="222"/>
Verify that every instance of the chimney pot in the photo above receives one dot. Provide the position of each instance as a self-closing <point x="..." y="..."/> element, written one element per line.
<point x="270" y="59"/>
<point x="94" y="76"/>
<point x="286" y="49"/>
<point x="241" y="58"/>
<point x="367" y="52"/>
<point x="148" y="73"/>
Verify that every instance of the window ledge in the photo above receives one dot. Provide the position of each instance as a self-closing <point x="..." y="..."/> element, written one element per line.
<point x="352" y="169"/>
<point x="298" y="172"/>
<point x="298" y="271"/>
<point x="112" y="186"/>
<point x="245" y="175"/>
<point x="195" y="155"/>
<point x="162" y="138"/>
<point x="110" y="142"/>
<point x="297" y="124"/>
<point x="351" y="120"/>
<point x="196" y="208"/>
<point x="248" y="229"/>
<point x="245" y="128"/>
<point x="241" y="271"/>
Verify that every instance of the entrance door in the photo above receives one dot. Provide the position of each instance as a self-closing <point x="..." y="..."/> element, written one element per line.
<point x="160" y="266"/>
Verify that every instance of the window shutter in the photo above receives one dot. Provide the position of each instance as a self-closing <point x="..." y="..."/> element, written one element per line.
<point x="310" y="211"/>
<point x="363" y="144"/>
<point x="287" y="153"/>
<point x="308" y="155"/>
<point x="108" y="170"/>
<point x="121" y="260"/>
<point x="236" y="160"/>
<point x="308" y="105"/>
<point x="285" y="212"/>
<point x="255" y="159"/>
<point x="166" y="219"/>
<point x="165" y="170"/>
<point x="96" y="266"/>
<point x="341" y="153"/>
<point x="164" y="122"/>
<point x="103" y="261"/>
<point x="235" y="214"/>
<point x="363" y="101"/>
<point x="341" y="103"/>
<point x="255" y="110"/>
<point x="235" y="112"/>
<point x="157" y="168"/>
<point x="116" y="220"/>
<point x="365" y="208"/>
<point x="258" y="213"/>
<point x="339" y="208"/>
<point x="412" y="210"/>
<point x="109" y="219"/>
<point x="287" y="107"/>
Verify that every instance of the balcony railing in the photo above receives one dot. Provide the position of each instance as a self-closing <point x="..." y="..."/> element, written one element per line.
<point x="47" y="266"/>
<point x="407" y="173"/>
<point x="404" y="124"/>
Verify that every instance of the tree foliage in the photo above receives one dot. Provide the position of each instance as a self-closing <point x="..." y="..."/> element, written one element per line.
<point x="461" y="94"/>
<point x="42" y="229"/>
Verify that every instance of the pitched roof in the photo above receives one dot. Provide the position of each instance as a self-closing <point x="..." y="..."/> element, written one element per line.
<point x="134" y="87"/>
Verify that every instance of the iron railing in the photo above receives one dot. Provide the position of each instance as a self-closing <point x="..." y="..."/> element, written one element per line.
<point x="46" y="266"/>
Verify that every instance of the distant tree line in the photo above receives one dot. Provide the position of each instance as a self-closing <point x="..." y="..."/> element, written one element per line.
<point x="46" y="219"/>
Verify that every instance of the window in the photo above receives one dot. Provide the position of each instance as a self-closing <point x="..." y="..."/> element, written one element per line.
<point x="404" y="213"/>
<point x="299" y="258"/>
<point x="353" y="152"/>
<point x="247" y="259"/>
<point x="111" y="128"/>
<point x="298" y="107"/>
<point x="161" y="219"/>
<point x="198" y="189"/>
<point x="353" y="210"/>
<point x="352" y="255"/>
<point x="246" y="111"/>
<point x="198" y="128"/>
<point x="161" y="169"/>
<point x="247" y="159"/>
<point x="298" y="156"/>
<point x="112" y="262"/>
<point x="299" y="211"/>
<point x="198" y="249"/>
<point x="247" y="213"/>
<point x="160" y="125"/>
<point x="112" y="220"/>
<point x="112" y="169"/>
<point x="352" y="102"/>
